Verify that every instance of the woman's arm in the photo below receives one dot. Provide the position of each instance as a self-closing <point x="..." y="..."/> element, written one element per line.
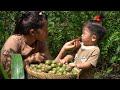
<point x="11" y="46"/>
<point x="73" y="45"/>
<point x="46" y="52"/>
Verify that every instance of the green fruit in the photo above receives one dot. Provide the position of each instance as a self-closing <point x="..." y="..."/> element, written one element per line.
<point x="49" y="68"/>
<point x="68" y="69"/>
<point x="65" y="72"/>
<point x="31" y="68"/>
<point x="61" y="70"/>
<point x="75" y="71"/>
<point x="34" y="68"/>
<point x="50" y="72"/>
<point x="48" y="62"/>
<point x="68" y="73"/>
<point x="44" y="69"/>
<point x="32" y="65"/>
<point x="46" y="66"/>
<point x="53" y="72"/>
<point x="64" y="66"/>
<point x="41" y="64"/>
<point x="53" y="65"/>
<point x="57" y="68"/>
<point x="38" y="70"/>
<point x="59" y="73"/>
<point x="38" y="66"/>
<point x="59" y="64"/>
<point x="54" y="69"/>
<point x="54" y="62"/>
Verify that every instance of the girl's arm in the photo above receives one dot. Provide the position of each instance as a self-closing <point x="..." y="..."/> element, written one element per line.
<point x="68" y="46"/>
<point x="67" y="58"/>
<point x="84" y="66"/>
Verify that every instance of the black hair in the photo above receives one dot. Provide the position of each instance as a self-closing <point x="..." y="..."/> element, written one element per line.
<point x="96" y="27"/>
<point x="27" y="20"/>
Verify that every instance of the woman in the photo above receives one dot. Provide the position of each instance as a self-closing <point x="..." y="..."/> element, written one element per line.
<point x="28" y="39"/>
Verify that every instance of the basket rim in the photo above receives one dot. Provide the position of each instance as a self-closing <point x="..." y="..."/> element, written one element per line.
<point x="38" y="74"/>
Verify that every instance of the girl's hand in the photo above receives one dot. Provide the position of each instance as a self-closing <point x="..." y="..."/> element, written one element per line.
<point x="60" y="61"/>
<point x="71" y="64"/>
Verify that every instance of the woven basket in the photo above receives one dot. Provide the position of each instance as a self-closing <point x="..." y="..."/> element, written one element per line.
<point x="41" y="75"/>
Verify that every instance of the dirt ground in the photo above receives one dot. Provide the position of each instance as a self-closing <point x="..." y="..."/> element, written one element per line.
<point x="112" y="76"/>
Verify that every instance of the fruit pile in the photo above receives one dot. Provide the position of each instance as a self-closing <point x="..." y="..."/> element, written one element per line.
<point x="53" y="67"/>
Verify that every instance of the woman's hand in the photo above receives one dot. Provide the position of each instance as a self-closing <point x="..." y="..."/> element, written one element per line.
<point x="71" y="45"/>
<point x="37" y="57"/>
<point x="77" y="42"/>
<point x="29" y="60"/>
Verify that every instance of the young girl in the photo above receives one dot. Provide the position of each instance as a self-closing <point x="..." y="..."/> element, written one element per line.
<point x="28" y="39"/>
<point x="86" y="57"/>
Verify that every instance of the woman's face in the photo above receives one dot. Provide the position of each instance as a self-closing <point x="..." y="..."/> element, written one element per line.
<point x="42" y="33"/>
<point x="86" y="36"/>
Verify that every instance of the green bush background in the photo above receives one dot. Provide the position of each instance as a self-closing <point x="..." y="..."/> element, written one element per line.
<point x="67" y="25"/>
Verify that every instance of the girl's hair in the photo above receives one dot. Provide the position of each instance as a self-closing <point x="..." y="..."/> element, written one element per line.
<point x="29" y="20"/>
<point x="96" y="27"/>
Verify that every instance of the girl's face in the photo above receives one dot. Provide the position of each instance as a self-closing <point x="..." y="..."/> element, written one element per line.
<point x="42" y="34"/>
<point x="86" y="36"/>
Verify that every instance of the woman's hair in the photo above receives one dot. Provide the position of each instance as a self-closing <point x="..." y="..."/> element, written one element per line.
<point x="96" y="27"/>
<point x="29" y="20"/>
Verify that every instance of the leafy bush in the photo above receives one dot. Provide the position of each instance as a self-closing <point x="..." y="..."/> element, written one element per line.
<point x="65" y="26"/>
<point x="7" y="24"/>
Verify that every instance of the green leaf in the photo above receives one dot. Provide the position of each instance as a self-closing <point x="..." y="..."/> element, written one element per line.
<point x="118" y="50"/>
<point x="118" y="59"/>
<point x="109" y="69"/>
<point x="17" y="68"/>
<point x="114" y="59"/>
<point x="5" y="75"/>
